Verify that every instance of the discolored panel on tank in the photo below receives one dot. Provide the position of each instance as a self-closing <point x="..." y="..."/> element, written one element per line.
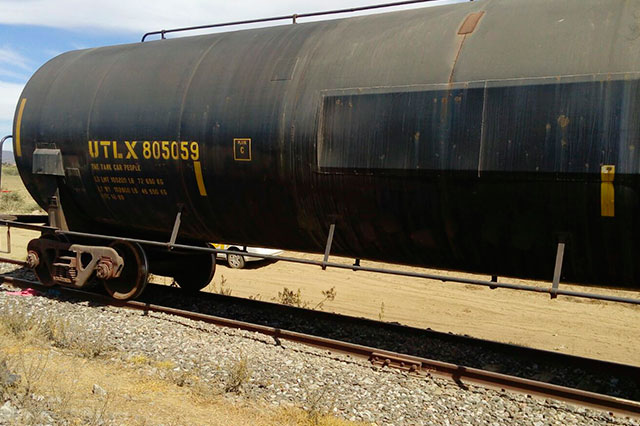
<point x="559" y="127"/>
<point x="551" y="38"/>
<point x="401" y="131"/>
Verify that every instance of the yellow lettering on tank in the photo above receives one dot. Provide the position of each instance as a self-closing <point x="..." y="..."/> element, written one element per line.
<point x="105" y="145"/>
<point x="93" y="149"/>
<point x="116" y="154"/>
<point x="131" y="149"/>
<point x="165" y="150"/>
<point x="169" y="150"/>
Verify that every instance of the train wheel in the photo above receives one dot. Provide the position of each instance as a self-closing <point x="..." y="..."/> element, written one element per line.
<point x="44" y="270"/>
<point x="235" y="261"/>
<point x="196" y="272"/>
<point x="134" y="275"/>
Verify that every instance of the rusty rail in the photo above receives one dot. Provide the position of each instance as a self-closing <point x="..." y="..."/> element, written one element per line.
<point x="460" y="374"/>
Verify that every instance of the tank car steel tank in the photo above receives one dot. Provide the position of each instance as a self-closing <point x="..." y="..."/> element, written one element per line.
<point x="470" y="137"/>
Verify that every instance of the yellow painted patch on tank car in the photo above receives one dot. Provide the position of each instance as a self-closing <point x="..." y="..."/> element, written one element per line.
<point x="23" y="102"/>
<point x="607" y="191"/>
<point x="198" y="171"/>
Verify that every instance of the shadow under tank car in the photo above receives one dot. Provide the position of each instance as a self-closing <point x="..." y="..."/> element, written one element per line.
<point x="471" y="137"/>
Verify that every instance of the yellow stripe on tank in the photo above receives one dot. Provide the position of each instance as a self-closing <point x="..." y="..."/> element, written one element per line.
<point x="23" y="102"/>
<point x="607" y="192"/>
<point x="198" y="170"/>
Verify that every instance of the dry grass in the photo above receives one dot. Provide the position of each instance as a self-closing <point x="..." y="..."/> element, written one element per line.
<point x="10" y="169"/>
<point x="294" y="416"/>
<point x="294" y="298"/>
<point x="381" y="312"/>
<point x="46" y="372"/>
<point x="18" y="199"/>
<point x="55" y="330"/>
<point x="17" y="323"/>
<point x="14" y="202"/>
<point x="224" y="288"/>
<point x="291" y="298"/>
<point x="239" y="375"/>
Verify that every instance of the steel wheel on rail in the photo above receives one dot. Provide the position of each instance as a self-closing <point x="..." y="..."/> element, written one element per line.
<point x="135" y="272"/>
<point x="236" y="261"/>
<point x="44" y="270"/>
<point x="196" y="271"/>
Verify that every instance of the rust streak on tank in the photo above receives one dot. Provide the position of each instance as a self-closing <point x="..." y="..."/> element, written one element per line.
<point x="468" y="26"/>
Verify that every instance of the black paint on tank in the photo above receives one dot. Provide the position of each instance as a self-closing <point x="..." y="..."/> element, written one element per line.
<point x="425" y="146"/>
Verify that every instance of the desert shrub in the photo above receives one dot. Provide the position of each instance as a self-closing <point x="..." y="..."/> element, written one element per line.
<point x="8" y="379"/>
<point x="291" y="298"/>
<point x="329" y="296"/>
<point x="61" y="335"/>
<point x="224" y="288"/>
<point x="315" y="413"/>
<point x="14" y="202"/>
<point x="17" y="323"/>
<point x="239" y="374"/>
<point x="381" y="312"/>
<point x="294" y="298"/>
<point x="9" y="169"/>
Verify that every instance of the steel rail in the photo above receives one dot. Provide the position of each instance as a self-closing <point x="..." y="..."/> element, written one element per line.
<point x="293" y="17"/>
<point x="553" y="291"/>
<point x="161" y="294"/>
<point x="460" y="374"/>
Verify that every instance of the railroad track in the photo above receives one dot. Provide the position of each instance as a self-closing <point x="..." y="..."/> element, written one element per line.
<point x="462" y="375"/>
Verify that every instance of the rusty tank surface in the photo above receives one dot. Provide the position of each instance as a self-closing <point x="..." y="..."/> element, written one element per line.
<point x="471" y="137"/>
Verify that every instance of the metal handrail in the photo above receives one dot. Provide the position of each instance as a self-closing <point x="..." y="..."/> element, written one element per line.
<point x="294" y="17"/>
<point x="8" y="227"/>
<point x="324" y="264"/>
<point x="1" y="145"/>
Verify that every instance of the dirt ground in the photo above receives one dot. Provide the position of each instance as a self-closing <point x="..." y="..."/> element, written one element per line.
<point x="597" y="329"/>
<point x="604" y="330"/>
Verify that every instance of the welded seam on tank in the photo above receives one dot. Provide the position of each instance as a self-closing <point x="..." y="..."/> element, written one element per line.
<point x="298" y="70"/>
<point x="455" y="61"/>
<point x="95" y="94"/>
<point x="310" y="49"/>
<point x="197" y="168"/>
<point x="491" y="83"/>
<point x="196" y="67"/>
<point x="482" y="127"/>
<point x="93" y="102"/>
<point x="59" y="74"/>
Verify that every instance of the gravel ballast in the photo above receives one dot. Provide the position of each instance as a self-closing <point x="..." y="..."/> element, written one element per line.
<point x="285" y="373"/>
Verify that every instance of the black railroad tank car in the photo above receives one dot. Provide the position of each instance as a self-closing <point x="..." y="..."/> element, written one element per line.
<point x="470" y="137"/>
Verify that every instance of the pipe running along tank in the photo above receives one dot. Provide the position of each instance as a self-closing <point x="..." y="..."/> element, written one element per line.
<point x="469" y="137"/>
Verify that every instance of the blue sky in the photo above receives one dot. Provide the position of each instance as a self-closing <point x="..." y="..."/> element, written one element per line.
<point x="34" y="31"/>
<point x="24" y="48"/>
